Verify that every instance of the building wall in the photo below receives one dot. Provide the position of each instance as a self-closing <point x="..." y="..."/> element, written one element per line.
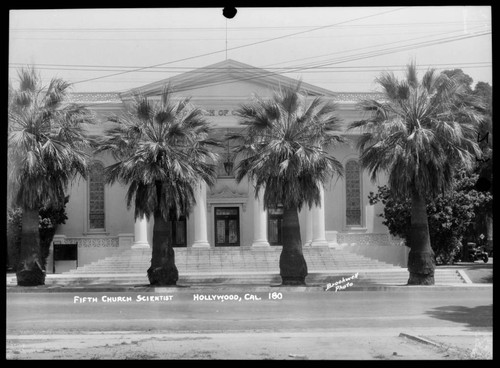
<point x="118" y="219"/>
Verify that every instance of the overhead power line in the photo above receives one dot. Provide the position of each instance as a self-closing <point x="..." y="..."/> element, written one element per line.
<point x="365" y="47"/>
<point x="391" y="50"/>
<point x="215" y="70"/>
<point x="325" y="65"/>
<point x="246" y="29"/>
<point x="219" y="39"/>
<point x="301" y="68"/>
<point x="241" y="46"/>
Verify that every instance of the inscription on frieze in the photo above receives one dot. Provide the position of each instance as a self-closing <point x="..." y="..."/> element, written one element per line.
<point x="221" y="112"/>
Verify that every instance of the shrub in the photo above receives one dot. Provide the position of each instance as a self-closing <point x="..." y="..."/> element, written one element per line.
<point x="14" y="228"/>
<point x="451" y="215"/>
<point x="49" y="219"/>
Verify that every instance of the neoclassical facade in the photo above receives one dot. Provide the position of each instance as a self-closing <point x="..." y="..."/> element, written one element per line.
<point x="227" y="214"/>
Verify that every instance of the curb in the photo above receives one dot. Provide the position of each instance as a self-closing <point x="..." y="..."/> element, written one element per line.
<point x="464" y="275"/>
<point x="222" y="288"/>
<point x="419" y="339"/>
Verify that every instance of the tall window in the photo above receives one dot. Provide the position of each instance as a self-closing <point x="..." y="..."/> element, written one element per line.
<point x="96" y="197"/>
<point x="353" y="193"/>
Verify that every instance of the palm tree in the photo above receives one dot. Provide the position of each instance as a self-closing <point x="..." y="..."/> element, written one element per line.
<point x="418" y="135"/>
<point x="283" y="149"/>
<point x="163" y="153"/>
<point x="47" y="148"/>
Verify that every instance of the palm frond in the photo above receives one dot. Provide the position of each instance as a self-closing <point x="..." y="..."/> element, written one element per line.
<point x="164" y="151"/>
<point x="283" y="147"/>
<point x="411" y="75"/>
<point x="423" y="130"/>
<point x="47" y="143"/>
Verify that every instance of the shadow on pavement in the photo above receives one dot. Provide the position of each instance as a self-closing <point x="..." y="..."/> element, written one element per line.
<point x="487" y="279"/>
<point x="476" y="318"/>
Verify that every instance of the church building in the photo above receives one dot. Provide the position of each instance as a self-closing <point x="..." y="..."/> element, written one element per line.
<point x="227" y="214"/>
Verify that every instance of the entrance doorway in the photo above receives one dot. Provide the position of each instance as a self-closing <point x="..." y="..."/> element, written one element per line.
<point x="275" y="225"/>
<point x="227" y="227"/>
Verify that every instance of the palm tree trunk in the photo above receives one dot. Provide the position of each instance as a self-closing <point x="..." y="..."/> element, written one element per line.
<point x="293" y="267"/>
<point x="163" y="271"/>
<point x="421" y="263"/>
<point x="30" y="271"/>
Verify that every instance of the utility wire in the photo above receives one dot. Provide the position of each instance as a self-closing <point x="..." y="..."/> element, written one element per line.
<point x="300" y="68"/>
<point x="218" y="38"/>
<point x="317" y="69"/>
<point x="241" y="46"/>
<point x="80" y="67"/>
<point x="189" y="29"/>
<point x="303" y="68"/>
<point x="361" y="48"/>
<point x="397" y="49"/>
<point x="183" y="68"/>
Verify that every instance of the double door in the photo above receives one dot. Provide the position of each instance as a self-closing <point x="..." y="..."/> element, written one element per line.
<point x="227" y="227"/>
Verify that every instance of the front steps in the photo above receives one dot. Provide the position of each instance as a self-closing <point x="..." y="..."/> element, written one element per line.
<point x="240" y="265"/>
<point x="365" y="278"/>
<point x="234" y="259"/>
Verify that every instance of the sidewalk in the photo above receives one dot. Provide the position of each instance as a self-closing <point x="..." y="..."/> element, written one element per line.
<point x="180" y="288"/>
<point x="475" y="273"/>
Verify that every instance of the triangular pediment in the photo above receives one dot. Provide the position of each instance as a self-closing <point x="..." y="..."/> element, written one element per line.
<point x="228" y="78"/>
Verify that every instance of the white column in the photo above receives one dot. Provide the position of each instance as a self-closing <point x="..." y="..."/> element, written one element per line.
<point x="141" y="233"/>
<point x="200" y="218"/>
<point x="259" y="221"/>
<point x="318" y="222"/>
<point x="308" y="225"/>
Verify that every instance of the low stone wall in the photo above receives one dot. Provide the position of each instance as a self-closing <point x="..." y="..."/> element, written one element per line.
<point x="90" y="249"/>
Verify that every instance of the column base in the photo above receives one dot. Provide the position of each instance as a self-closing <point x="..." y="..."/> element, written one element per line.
<point x="201" y="244"/>
<point x="140" y="245"/>
<point x="319" y="243"/>
<point x="307" y="244"/>
<point x="331" y="238"/>
<point x="261" y="243"/>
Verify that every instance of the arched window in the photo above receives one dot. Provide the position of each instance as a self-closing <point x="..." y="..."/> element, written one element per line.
<point x="353" y="193"/>
<point x="96" y="197"/>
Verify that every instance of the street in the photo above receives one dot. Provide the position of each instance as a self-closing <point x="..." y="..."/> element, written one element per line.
<point x="245" y="324"/>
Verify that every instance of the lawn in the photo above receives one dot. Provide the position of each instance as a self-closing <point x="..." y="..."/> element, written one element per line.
<point x="479" y="272"/>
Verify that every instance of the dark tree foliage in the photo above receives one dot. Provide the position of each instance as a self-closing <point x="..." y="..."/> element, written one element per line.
<point x="451" y="215"/>
<point x="50" y="218"/>
<point x="14" y="229"/>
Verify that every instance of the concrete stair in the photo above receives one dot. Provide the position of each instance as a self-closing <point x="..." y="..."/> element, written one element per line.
<point x="240" y="265"/>
<point x="192" y="260"/>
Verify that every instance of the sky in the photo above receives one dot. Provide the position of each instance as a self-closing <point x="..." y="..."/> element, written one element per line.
<point x="343" y="49"/>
